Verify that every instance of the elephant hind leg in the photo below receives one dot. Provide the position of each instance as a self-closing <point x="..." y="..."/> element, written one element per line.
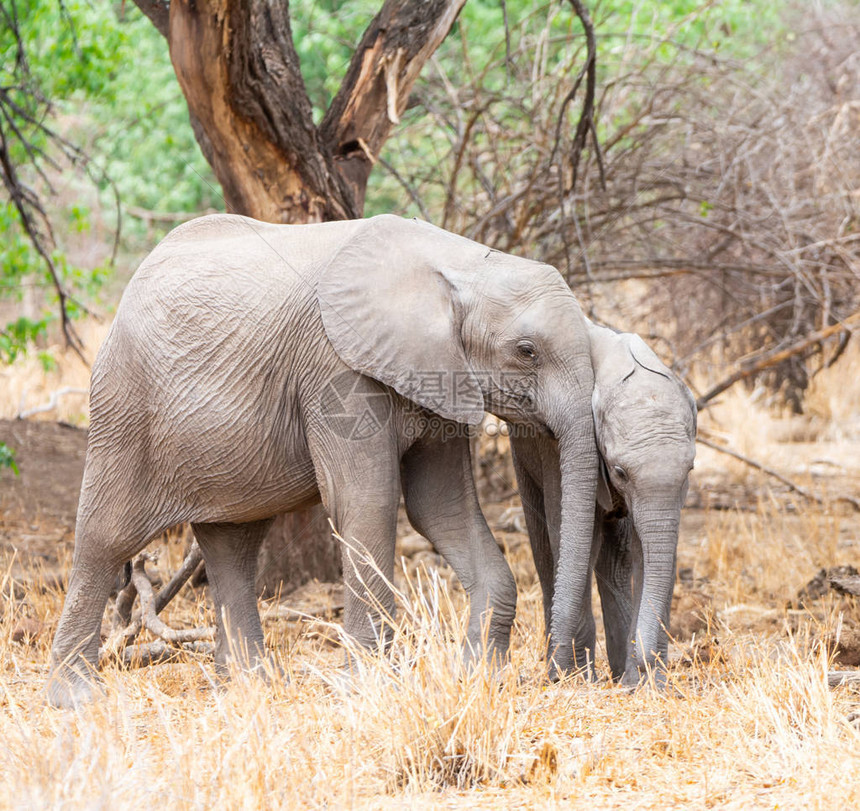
<point x="230" y="552"/>
<point x="99" y="556"/>
<point x="442" y="505"/>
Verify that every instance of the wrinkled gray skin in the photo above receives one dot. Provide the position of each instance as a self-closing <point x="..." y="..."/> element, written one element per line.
<point x="645" y="425"/>
<point x="222" y="396"/>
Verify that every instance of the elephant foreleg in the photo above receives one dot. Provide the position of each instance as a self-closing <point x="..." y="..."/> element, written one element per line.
<point x="442" y="505"/>
<point x="531" y="496"/>
<point x="614" y="571"/>
<point x="359" y="481"/>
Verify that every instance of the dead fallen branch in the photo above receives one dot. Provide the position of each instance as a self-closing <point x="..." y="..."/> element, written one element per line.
<point x="847" y="584"/>
<point x="192" y="560"/>
<point x="153" y="653"/>
<point x="795" y="488"/>
<point x="127" y="627"/>
<point x="838" y="678"/>
<point x="148" y="614"/>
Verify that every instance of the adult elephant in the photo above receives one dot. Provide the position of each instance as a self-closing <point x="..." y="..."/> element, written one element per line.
<point x="645" y="425"/>
<point x="254" y="369"/>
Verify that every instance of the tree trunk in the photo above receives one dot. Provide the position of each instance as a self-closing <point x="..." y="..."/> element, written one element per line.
<point x="251" y="114"/>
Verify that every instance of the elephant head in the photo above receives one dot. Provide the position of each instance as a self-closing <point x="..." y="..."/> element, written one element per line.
<point x="645" y="426"/>
<point x="459" y="328"/>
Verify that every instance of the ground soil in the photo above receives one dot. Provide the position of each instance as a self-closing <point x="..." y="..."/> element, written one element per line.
<point x="38" y="506"/>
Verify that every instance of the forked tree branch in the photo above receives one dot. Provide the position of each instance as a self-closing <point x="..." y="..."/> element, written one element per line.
<point x="158" y="12"/>
<point x="127" y="627"/>
<point x="380" y="77"/>
<point x="149" y="615"/>
<point x="585" y="126"/>
<point x="252" y="115"/>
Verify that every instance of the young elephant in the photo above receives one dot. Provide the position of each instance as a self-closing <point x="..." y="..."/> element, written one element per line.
<point x="254" y="369"/>
<point x="645" y="425"/>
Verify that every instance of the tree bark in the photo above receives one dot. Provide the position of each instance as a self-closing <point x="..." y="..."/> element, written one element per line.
<point x="240" y="74"/>
<point x="251" y="114"/>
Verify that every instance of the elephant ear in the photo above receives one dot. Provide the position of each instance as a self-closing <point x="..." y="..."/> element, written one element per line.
<point x="646" y="357"/>
<point x="392" y="306"/>
<point x="604" y="489"/>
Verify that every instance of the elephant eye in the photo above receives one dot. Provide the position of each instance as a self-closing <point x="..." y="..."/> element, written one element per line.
<point x="620" y="472"/>
<point x="526" y="349"/>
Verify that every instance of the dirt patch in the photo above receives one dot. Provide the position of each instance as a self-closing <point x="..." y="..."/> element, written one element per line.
<point x="38" y="506"/>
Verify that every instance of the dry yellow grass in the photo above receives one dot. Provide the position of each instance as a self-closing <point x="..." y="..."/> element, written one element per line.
<point x="755" y="726"/>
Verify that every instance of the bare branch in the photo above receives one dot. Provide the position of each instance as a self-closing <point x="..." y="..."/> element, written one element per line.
<point x="795" y="488"/>
<point x="149" y="616"/>
<point x="839" y="678"/>
<point x="52" y="403"/>
<point x="127" y="627"/>
<point x="189" y="566"/>
<point x="23" y="204"/>
<point x="585" y="125"/>
<point x="407" y="187"/>
<point x="153" y="653"/>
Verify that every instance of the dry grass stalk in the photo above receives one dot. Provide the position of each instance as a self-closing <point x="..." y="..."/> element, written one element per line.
<point x="756" y="726"/>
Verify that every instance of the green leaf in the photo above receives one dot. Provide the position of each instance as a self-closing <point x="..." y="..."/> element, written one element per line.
<point x="7" y="458"/>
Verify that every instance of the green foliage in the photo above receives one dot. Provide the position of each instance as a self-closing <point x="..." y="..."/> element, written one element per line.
<point x="7" y="458"/>
<point x="112" y="92"/>
<point x="108" y="74"/>
<point x="47" y="361"/>
<point x="16" y="335"/>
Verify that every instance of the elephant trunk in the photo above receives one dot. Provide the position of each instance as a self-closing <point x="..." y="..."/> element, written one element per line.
<point x="657" y="529"/>
<point x="572" y="627"/>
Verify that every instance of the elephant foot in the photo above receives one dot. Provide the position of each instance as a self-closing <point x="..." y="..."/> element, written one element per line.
<point x="496" y="654"/>
<point x="265" y="668"/>
<point x="70" y="691"/>
<point x="635" y="677"/>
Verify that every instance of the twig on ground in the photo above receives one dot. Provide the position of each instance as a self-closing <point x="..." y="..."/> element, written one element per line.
<point x="796" y="488"/>
<point x="153" y="653"/>
<point x="837" y="678"/>
<point x="846" y="584"/>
